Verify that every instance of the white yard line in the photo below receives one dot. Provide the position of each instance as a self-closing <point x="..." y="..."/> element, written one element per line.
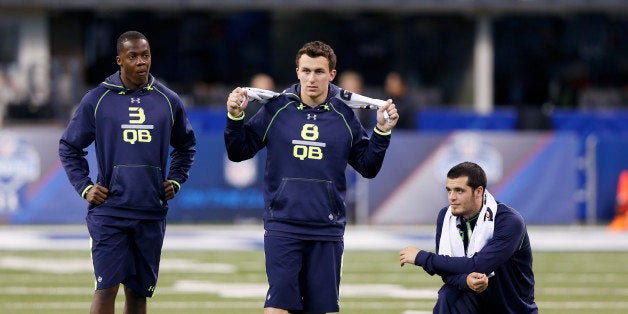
<point x="255" y="290"/>
<point x="250" y="237"/>
<point x="82" y="265"/>
<point x="156" y="304"/>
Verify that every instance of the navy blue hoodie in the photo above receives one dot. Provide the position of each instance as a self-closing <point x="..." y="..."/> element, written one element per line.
<point x="308" y="150"/>
<point x="133" y="131"/>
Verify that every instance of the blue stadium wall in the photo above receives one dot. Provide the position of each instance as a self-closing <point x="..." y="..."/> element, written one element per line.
<point x="541" y="174"/>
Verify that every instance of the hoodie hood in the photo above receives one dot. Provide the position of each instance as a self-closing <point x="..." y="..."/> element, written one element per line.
<point x="294" y="92"/>
<point x="114" y="83"/>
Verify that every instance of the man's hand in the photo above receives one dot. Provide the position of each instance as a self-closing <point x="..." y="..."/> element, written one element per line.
<point x="408" y="255"/>
<point x="237" y="102"/>
<point x="170" y="190"/>
<point x="382" y="123"/>
<point x="97" y="194"/>
<point x="477" y="282"/>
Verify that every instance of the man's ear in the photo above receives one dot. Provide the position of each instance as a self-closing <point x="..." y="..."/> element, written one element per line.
<point x="480" y="191"/>
<point x="118" y="61"/>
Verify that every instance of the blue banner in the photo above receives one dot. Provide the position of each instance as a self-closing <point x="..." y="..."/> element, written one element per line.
<point x="538" y="174"/>
<point x="535" y="173"/>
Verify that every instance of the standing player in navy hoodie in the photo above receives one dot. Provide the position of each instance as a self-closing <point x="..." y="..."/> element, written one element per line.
<point x="483" y="251"/>
<point x="310" y="137"/>
<point x="133" y="120"/>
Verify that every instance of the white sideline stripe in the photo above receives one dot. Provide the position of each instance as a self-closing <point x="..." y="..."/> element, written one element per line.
<point x="46" y="265"/>
<point x="606" y="277"/>
<point x="583" y="291"/>
<point x="156" y="304"/>
<point x="47" y="290"/>
<point x="225" y="290"/>
<point x="256" y="305"/>
<point x="217" y="305"/>
<point x="250" y="237"/>
<point x="386" y="305"/>
<point x="253" y="290"/>
<point x="240" y="291"/>
<point x="79" y="265"/>
<point x="578" y="305"/>
<point x="46" y="305"/>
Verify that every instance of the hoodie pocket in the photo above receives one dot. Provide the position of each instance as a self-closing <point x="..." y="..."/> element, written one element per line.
<point x="305" y="200"/>
<point x="136" y="187"/>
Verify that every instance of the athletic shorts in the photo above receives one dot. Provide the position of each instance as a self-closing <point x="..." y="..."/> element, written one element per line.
<point x="303" y="275"/>
<point x="126" y="251"/>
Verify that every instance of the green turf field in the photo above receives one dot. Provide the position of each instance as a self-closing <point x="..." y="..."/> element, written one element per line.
<point x="234" y="282"/>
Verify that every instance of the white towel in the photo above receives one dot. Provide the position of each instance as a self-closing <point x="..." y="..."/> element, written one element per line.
<point x="450" y="242"/>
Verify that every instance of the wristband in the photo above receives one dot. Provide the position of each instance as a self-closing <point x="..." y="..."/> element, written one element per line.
<point x="380" y="132"/>
<point x="84" y="193"/>
<point x="175" y="185"/>
<point x="238" y="118"/>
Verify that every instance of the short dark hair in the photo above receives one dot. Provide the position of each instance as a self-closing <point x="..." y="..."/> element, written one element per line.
<point x="318" y="49"/>
<point x="126" y="36"/>
<point x="475" y="174"/>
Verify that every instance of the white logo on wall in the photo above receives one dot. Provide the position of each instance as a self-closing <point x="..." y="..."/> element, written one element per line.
<point x="468" y="146"/>
<point x="240" y="174"/>
<point x="19" y="165"/>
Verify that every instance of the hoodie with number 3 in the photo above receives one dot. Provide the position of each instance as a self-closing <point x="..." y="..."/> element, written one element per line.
<point x="133" y="131"/>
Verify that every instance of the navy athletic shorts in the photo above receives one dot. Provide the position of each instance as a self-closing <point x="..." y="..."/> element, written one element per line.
<point x="126" y="251"/>
<point x="303" y="275"/>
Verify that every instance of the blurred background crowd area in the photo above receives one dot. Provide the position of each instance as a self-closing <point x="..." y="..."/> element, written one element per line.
<point x="468" y="77"/>
<point x="546" y="55"/>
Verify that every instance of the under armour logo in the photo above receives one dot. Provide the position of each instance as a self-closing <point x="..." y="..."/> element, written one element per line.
<point x="311" y="116"/>
<point x="135" y="100"/>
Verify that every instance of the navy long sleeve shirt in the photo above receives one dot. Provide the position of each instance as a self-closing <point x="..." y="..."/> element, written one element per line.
<point x="508" y="254"/>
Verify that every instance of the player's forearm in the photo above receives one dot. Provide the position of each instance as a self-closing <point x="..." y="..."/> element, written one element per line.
<point x="458" y="281"/>
<point x="75" y="166"/>
<point x="371" y="155"/>
<point x="182" y="161"/>
<point x="444" y="265"/>
<point x="240" y="144"/>
<point x="78" y="176"/>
